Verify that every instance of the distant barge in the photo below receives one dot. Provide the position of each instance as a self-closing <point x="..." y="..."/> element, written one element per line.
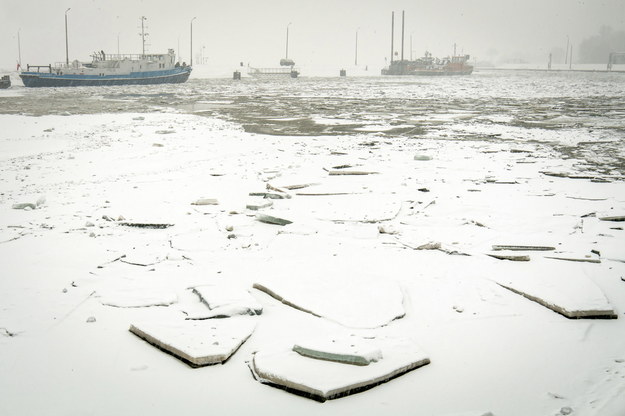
<point x="109" y="70"/>
<point x="427" y="65"/>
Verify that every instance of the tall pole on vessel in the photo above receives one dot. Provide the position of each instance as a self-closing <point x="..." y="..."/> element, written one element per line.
<point x="66" y="43"/>
<point x="19" y="50"/>
<point x="191" y="51"/>
<point x="286" y="56"/>
<point x="402" y="34"/>
<point x="411" y="45"/>
<point x="356" y="52"/>
<point x="143" y="34"/>
<point x="571" y="57"/>
<point x="392" y="34"/>
<point x="566" y="55"/>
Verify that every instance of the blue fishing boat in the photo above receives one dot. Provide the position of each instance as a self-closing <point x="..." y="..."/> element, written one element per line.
<point x="105" y="69"/>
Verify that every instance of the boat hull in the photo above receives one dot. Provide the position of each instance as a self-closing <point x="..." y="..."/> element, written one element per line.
<point x="43" y="79"/>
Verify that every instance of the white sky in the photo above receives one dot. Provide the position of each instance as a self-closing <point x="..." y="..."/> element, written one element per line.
<point x="322" y="32"/>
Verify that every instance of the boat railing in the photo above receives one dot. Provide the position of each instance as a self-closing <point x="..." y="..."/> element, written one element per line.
<point x="271" y="71"/>
<point x="38" y="68"/>
<point x="99" y="56"/>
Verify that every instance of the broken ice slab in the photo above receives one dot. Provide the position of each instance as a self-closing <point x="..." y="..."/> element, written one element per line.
<point x="270" y="195"/>
<point x="560" y="286"/>
<point x="146" y="225"/>
<point x="225" y="301"/>
<point x="298" y="186"/>
<point x="522" y="248"/>
<point x="511" y="257"/>
<point x="272" y="220"/>
<point x="323" y="380"/>
<point x="347" y="350"/>
<point x="197" y="343"/>
<point x="205" y="201"/>
<point x="613" y="218"/>
<point x="256" y="207"/>
<point x="350" y="172"/>
<point x="422" y="158"/>
<point x="24" y="205"/>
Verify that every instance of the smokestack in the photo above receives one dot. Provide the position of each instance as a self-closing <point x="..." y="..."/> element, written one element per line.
<point x="402" y="34"/>
<point x="392" y="34"/>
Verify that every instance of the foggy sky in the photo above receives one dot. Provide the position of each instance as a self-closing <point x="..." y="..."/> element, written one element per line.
<point x="321" y="32"/>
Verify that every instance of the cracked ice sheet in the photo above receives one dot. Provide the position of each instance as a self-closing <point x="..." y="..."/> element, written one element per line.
<point x="197" y="343"/>
<point x="136" y="298"/>
<point x="323" y="380"/>
<point x="563" y="287"/>
<point x="355" y="300"/>
<point x="223" y="300"/>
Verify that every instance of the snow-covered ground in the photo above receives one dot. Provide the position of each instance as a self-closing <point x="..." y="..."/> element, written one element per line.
<point x="113" y="220"/>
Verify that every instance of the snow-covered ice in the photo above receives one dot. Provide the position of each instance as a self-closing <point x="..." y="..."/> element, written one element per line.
<point x="401" y="257"/>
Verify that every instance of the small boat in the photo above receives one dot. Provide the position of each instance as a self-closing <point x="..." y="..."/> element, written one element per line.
<point x="106" y="69"/>
<point x="273" y="72"/>
<point x="5" y="82"/>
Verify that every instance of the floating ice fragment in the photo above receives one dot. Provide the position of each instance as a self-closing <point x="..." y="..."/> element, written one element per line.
<point x="256" y="207"/>
<point x="347" y="350"/>
<point x="522" y="248"/>
<point x="24" y="205"/>
<point x="564" y="289"/>
<point x="613" y="218"/>
<point x="205" y="201"/>
<point x="511" y="257"/>
<point x="422" y="157"/>
<point x="146" y="225"/>
<point x="272" y="220"/>
<point x="197" y="343"/>
<point x="323" y="380"/>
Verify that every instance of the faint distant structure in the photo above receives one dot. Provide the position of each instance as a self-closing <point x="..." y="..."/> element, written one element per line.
<point x="615" y="57"/>
<point x="549" y="63"/>
<point x="566" y="56"/>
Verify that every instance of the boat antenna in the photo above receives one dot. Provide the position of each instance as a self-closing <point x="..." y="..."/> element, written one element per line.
<point x="403" y="12"/>
<point x="143" y="34"/>
<point x="392" y="34"/>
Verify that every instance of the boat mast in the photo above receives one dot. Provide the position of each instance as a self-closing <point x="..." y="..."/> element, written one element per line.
<point x="287" y="41"/>
<point x="19" y="50"/>
<point x="143" y="34"/>
<point x="191" y="51"/>
<point x="403" y="12"/>
<point x="392" y="34"/>
<point x="66" y="47"/>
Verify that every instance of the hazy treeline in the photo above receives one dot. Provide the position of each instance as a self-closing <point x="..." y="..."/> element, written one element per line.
<point x="596" y="49"/>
